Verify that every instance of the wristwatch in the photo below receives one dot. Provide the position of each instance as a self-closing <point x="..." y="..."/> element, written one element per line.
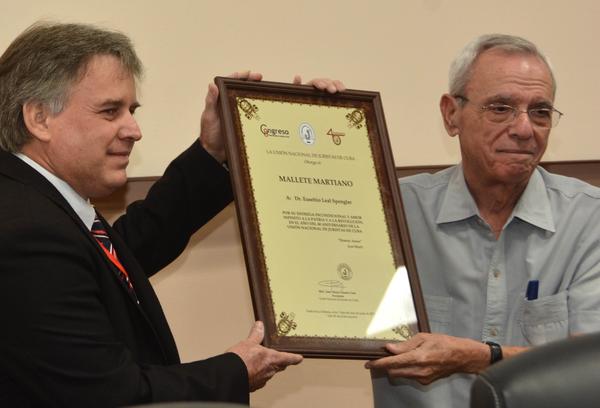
<point x="495" y="351"/>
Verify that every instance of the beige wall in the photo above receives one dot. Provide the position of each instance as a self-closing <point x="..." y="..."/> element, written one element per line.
<point x="400" y="48"/>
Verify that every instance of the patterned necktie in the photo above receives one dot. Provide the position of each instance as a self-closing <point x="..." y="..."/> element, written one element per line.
<point x="99" y="232"/>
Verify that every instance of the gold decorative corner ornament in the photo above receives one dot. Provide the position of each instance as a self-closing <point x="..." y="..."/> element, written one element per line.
<point x="355" y="119"/>
<point x="286" y="323"/>
<point x="250" y="110"/>
<point x="403" y="331"/>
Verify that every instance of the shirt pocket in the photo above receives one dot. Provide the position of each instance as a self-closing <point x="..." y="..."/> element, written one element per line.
<point x="438" y="313"/>
<point x="545" y="319"/>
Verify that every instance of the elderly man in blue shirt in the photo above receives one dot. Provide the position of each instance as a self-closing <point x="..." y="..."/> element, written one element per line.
<point x="487" y="229"/>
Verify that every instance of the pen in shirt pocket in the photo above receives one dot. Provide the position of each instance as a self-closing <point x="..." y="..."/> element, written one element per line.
<point x="532" y="289"/>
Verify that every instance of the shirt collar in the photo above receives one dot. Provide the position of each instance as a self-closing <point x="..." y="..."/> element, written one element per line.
<point x="533" y="206"/>
<point x="82" y="207"/>
<point x="458" y="203"/>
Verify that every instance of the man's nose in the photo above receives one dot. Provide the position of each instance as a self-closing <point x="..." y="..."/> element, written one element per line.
<point x="521" y="127"/>
<point x="130" y="128"/>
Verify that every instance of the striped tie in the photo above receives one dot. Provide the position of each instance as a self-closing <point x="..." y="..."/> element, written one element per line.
<point x="99" y="232"/>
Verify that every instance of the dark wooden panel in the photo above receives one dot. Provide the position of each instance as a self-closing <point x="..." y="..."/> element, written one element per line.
<point x="588" y="170"/>
<point x="114" y="204"/>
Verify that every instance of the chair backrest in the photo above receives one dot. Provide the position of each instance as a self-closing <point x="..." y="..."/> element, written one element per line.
<point x="557" y="375"/>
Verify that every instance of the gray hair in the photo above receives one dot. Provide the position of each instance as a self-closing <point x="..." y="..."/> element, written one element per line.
<point x="462" y="66"/>
<point x="43" y="63"/>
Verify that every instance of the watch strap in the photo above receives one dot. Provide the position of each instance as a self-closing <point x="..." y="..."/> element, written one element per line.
<point x="495" y="351"/>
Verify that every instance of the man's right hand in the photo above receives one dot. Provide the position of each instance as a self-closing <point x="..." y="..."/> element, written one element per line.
<point x="261" y="362"/>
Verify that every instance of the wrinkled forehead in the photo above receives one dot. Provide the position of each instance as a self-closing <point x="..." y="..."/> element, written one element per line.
<point x="497" y="71"/>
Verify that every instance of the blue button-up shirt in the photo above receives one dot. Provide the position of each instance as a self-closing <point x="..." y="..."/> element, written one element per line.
<point x="474" y="284"/>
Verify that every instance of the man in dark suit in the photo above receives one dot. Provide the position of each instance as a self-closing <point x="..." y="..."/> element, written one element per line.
<point x="81" y="324"/>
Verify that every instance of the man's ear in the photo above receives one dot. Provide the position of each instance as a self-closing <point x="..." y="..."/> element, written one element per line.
<point x="35" y="116"/>
<point x="450" y="111"/>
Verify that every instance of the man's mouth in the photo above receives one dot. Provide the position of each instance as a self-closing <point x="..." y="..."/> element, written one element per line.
<point x="120" y="153"/>
<point x="515" y="151"/>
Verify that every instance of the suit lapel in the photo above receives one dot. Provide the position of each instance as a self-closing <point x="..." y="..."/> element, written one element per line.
<point x="15" y="168"/>
<point x="148" y="300"/>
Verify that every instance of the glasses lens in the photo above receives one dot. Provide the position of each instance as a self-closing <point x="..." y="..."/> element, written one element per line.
<point x="539" y="117"/>
<point x="498" y="113"/>
<point x="542" y="117"/>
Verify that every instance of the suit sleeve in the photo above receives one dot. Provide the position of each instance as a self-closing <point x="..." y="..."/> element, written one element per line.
<point x="193" y="189"/>
<point x="58" y="341"/>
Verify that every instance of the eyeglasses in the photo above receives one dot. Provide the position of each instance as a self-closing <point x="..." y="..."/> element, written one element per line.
<point x="542" y="117"/>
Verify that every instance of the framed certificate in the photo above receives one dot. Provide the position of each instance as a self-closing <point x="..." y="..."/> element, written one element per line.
<point x="327" y="249"/>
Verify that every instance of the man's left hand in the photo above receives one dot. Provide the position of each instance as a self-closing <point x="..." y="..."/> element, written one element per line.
<point x="210" y="123"/>
<point x="427" y="357"/>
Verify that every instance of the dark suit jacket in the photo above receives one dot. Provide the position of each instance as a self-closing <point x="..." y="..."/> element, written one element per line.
<point x="70" y="335"/>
